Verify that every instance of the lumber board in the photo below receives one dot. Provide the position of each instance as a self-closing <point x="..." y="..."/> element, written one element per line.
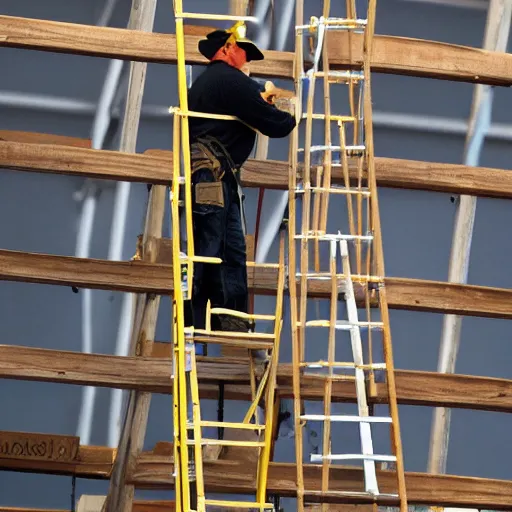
<point x="225" y="476"/>
<point x="395" y="55"/>
<point x="119" y="43"/>
<point x="15" y="136"/>
<point x="137" y="276"/>
<point x="153" y="374"/>
<point x="155" y="166"/>
<point x="89" y="163"/>
<point x="154" y="471"/>
<point x="422" y="58"/>
<point x="85" y="272"/>
<point x="20" y="446"/>
<point x="138" y="506"/>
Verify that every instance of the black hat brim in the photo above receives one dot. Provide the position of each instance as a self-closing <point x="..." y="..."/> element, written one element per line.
<point x="209" y="47"/>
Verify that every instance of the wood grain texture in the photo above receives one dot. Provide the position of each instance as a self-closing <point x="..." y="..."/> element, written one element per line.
<point x="422" y="58"/>
<point x="117" y="43"/>
<point x="154" y="470"/>
<point x="91" y="163"/>
<point x="155" y="166"/>
<point x="87" y="273"/>
<point x="226" y="476"/>
<point x="402" y="293"/>
<point x="43" y="138"/>
<point x="395" y="55"/>
<point x="153" y="374"/>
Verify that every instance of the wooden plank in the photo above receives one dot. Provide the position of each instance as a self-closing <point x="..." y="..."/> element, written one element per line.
<point x="154" y="471"/>
<point x="90" y="163"/>
<point x="226" y="476"/>
<point x="153" y="374"/>
<point x="116" y="43"/>
<point x="441" y="297"/>
<point x="26" y="447"/>
<point x="91" y="462"/>
<point x="396" y="55"/>
<point x="43" y="138"/>
<point x="403" y="293"/>
<point x="155" y="167"/>
<point x="422" y="58"/>
<point x="87" y="273"/>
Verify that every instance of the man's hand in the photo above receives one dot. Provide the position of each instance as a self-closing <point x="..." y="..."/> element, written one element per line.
<point x="281" y="98"/>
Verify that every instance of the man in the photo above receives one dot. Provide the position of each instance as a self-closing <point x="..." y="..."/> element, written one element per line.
<point x="218" y="150"/>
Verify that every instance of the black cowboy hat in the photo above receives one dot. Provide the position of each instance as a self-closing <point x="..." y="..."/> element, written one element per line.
<point x="218" y="38"/>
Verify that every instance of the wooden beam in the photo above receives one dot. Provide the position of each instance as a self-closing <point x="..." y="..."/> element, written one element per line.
<point x="153" y="374"/>
<point x="43" y="138"/>
<point x="155" y="166"/>
<point x="422" y="58"/>
<point x="402" y="293"/>
<point x="117" y="43"/>
<point x="225" y="476"/>
<point x="395" y="55"/>
<point x="154" y="471"/>
<point x="90" y="163"/>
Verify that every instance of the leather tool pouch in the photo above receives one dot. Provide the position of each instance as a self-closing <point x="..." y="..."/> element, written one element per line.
<point x="210" y="193"/>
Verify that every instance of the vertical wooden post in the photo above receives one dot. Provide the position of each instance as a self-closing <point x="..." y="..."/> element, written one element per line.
<point x="120" y="495"/>
<point x="496" y="38"/>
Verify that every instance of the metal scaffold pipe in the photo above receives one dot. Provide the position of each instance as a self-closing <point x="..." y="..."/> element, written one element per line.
<point x="496" y="39"/>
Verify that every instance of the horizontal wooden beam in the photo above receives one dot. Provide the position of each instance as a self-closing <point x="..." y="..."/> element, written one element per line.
<point x="402" y="293"/>
<point x="422" y="58"/>
<point x="396" y="55"/>
<point x="43" y="138"/>
<point x="89" y="163"/>
<point x="117" y="43"/>
<point x="226" y="476"/>
<point x="153" y="374"/>
<point x="155" y="166"/>
<point x="154" y="471"/>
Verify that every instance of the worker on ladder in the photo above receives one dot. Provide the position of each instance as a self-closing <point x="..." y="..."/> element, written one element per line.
<point x="219" y="148"/>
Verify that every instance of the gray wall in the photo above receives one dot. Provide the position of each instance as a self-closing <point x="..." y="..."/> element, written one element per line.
<point x="38" y="213"/>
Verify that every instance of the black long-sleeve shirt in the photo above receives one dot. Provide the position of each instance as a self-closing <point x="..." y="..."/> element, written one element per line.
<point x="223" y="89"/>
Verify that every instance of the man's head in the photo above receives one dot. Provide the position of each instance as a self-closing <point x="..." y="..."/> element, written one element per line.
<point x="230" y="46"/>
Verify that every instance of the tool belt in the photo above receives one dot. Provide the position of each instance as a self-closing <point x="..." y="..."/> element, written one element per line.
<point x="208" y="153"/>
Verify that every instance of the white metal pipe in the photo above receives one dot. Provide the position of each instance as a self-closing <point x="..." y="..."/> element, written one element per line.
<point x="82" y="251"/>
<point x="496" y="39"/>
<point x="99" y="130"/>
<point x="142" y="18"/>
<point x="106" y="14"/>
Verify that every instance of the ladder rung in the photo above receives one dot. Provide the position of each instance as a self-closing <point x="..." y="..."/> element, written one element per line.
<point x="223" y="424"/>
<point x="324" y="364"/>
<point x="335" y="190"/>
<point x="351" y="494"/>
<point x="200" y="259"/>
<point x="321" y="117"/>
<point x="353" y="456"/>
<point x="225" y="442"/>
<point x="343" y="325"/>
<point x="238" y="504"/>
<point x="347" y="418"/>
<point x="342" y="75"/>
<point x="325" y="237"/>
<point x="240" y="314"/>
<point x="217" y="17"/>
<point x="249" y="340"/>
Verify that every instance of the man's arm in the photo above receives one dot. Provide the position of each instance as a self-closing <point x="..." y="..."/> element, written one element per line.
<point x="243" y="99"/>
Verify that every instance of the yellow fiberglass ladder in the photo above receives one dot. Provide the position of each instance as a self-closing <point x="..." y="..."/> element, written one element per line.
<point x="323" y="181"/>
<point x="188" y="426"/>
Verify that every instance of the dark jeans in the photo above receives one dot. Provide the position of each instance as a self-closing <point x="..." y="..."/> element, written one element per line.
<point x="218" y="233"/>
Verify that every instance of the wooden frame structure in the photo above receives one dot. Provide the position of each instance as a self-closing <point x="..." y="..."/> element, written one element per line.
<point x="147" y="369"/>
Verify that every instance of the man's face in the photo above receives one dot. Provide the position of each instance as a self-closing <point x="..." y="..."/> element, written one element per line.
<point x="235" y="55"/>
